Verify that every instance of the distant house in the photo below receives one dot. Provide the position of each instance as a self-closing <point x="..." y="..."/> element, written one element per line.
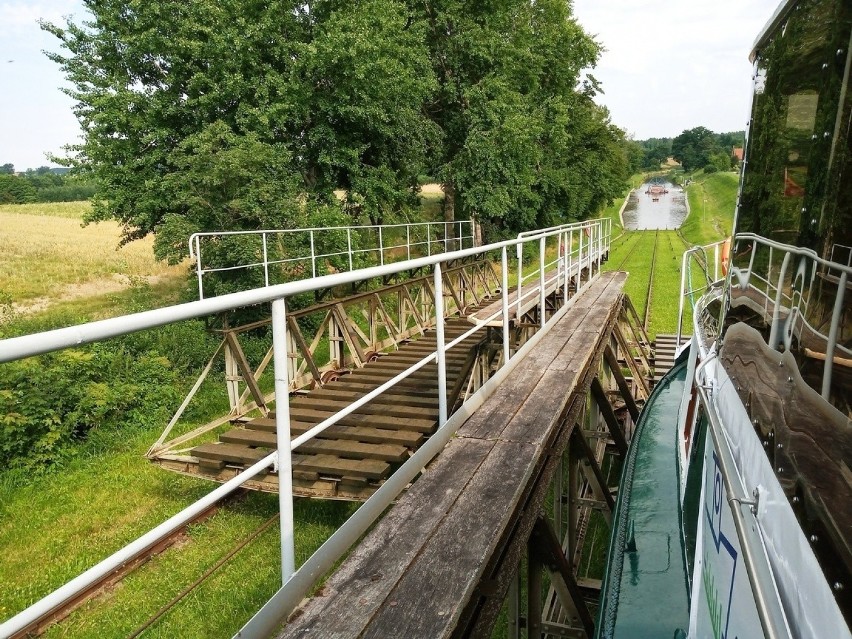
<point x="737" y="153"/>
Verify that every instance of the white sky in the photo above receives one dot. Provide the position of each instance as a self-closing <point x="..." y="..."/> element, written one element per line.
<point x="670" y="65"/>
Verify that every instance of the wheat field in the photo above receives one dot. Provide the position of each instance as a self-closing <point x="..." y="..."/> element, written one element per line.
<point x="47" y="253"/>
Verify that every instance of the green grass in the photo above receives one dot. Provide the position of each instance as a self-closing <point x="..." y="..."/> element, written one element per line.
<point x="632" y="253"/>
<point x="633" y="250"/>
<point x="712" y="199"/>
<point x="54" y="528"/>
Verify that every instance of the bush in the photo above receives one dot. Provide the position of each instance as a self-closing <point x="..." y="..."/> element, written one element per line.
<point x="50" y="401"/>
<point x="710" y="168"/>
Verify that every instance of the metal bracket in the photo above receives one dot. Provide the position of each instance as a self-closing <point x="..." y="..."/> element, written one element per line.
<point x="751" y="503"/>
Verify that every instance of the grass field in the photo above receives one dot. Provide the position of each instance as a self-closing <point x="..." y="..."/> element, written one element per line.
<point x="712" y="199"/>
<point x="48" y="256"/>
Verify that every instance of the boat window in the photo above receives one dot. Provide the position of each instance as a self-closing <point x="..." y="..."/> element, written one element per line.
<point x="790" y="186"/>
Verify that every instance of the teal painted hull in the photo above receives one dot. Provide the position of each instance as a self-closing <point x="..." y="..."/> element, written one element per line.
<point x="645" y="591"/>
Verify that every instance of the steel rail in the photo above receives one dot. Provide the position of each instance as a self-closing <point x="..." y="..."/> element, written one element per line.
<point x="39" y="343"/>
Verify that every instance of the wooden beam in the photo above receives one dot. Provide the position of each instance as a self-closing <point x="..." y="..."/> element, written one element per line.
<point x="588" y="453"/>
<point x="349" y="336"/>
<point x="631" y="364"/>
<point x="621" y="382"/>
<point x="611" y="420"/>
<point x="248" y="374"/>
<point x="550" y="553"/>
<point x="302" y="345"/>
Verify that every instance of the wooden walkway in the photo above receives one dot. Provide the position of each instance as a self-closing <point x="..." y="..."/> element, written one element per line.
<point x="438" y="564"/>
<point x="353" y="457"/>
<point x="530" y="294"/>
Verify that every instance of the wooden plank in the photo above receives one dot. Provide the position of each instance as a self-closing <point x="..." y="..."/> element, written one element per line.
<point x="355" y="450"/>
<point x="374" y="421"/>
<point x="330" y="465"/>
<point x="341" y="448"/>
<point x="371" y="408"/>
<point x="333" y="612"/>
<point x="433" y="590"/>
<point x="355" y="433"/>
<point x="492" y="419"/>
<point x="232" y="453"/>
<point x="346" y="395"/>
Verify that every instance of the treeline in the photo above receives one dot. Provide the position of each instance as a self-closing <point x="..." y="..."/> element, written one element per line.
<point x="694" y="148"/>
<point x="234" y="115"/>
<point x="41" y="185"/>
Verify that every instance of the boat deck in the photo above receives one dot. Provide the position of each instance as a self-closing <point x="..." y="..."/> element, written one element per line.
<point x="647" y="587"/>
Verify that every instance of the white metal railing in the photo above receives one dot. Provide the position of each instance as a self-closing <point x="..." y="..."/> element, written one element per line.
<point x="598" y="238"/>
<point x="297" y="583"/>
<point x="697" y="255"/>
<point x="744" y="511"/>
<point x="385" y="243"/>
<point x="785" y="288"/>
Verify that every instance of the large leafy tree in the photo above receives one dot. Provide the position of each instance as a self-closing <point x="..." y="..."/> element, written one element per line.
<point x="237" y="114"/>
<point x="524" y="143"/>
<point x="695" y="148"/>
<point x="208" y="115"/>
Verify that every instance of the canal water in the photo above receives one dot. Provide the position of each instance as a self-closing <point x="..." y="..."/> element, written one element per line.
<point x="644" y="213"/>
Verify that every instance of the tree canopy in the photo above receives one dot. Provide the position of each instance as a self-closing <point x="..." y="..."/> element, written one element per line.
<point x="206" y="115"/>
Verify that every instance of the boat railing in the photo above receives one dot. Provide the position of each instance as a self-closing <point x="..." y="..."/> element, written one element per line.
<point x="800" y="294"/>
<point x="320" y="250"/>
<point x="296" y="583"/>
<point x="697" y="265"/>
<point x="744" y="509"/>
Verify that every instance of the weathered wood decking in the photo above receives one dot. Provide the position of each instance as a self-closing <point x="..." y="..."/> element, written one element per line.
<point x="436" y="564"/>
<point x="530" y="293"/>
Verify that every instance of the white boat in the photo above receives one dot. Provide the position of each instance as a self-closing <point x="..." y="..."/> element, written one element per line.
<point x="734" y="516"/>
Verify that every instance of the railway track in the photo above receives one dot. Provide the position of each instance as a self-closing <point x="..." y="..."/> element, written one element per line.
<point x="633" y="237"/>
<point x="110" y="580"/>
<point x="647" y="312"/>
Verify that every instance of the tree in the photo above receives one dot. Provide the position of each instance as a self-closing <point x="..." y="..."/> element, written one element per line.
<point x="359" y="96"/>
<point x="15" y="190"/>
<point x="521" y="144"/>
<point x="7" y="169"/>
<point x="694" y="148"/>
<point x="336" y="88"/>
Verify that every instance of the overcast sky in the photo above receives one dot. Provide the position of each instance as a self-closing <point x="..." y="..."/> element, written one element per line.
<point x="670" y="65"/>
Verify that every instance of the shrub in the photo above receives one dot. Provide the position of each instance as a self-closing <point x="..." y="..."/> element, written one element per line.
<point x="710" y="168"/>
<point x="50" y="401"/>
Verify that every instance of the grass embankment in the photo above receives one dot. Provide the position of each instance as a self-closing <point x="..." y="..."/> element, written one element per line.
<point x="59" y="524"/>
<point x="712" y="200"/>
<point x="100" y="493"/>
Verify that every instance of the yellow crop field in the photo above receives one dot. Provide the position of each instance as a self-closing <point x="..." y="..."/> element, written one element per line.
<point x="46" y="254"/>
